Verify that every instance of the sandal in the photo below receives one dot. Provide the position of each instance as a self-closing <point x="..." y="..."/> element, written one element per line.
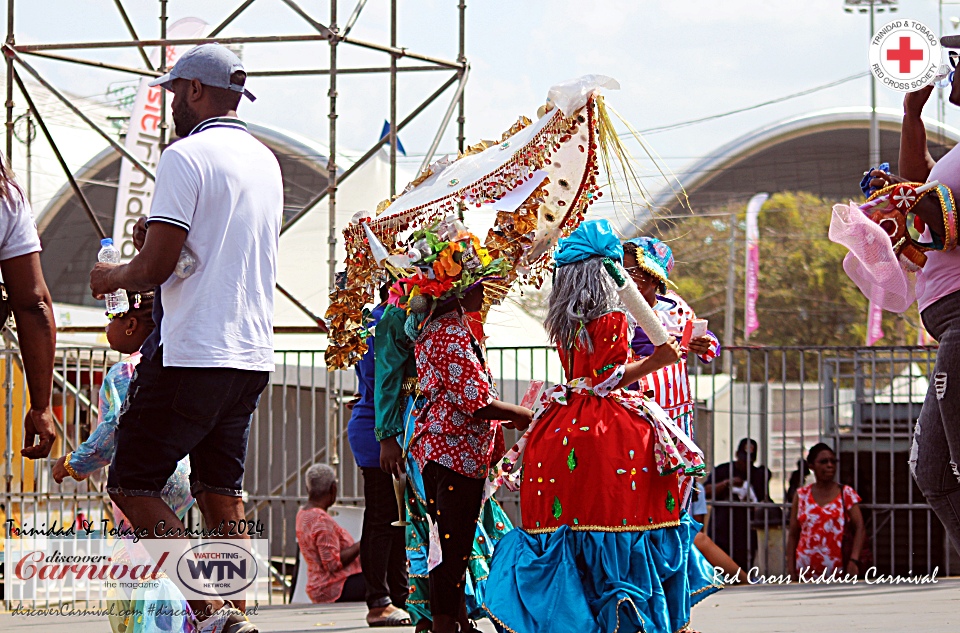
<point x="396" y="618"/>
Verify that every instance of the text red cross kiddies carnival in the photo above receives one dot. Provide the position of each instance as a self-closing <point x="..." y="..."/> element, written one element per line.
<point x="905" y="55"/>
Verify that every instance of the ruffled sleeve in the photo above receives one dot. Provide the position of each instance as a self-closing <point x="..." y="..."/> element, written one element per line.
<point x="850" y="498"/>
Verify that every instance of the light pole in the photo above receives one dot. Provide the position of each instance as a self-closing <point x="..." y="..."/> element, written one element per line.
<point x="872" y="7"/>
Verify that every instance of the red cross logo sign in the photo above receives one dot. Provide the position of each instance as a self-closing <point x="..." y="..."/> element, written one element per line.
<point x="905" y="55"/>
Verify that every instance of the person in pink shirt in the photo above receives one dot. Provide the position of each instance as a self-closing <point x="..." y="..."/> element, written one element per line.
<point x="936" y="444"/>
<point x="332" y="556"/>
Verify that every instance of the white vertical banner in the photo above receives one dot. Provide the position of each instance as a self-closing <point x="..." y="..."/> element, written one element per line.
<point x="874" y="323"/>
<point x="751" y="285"/>
<point x="135" y="190"/>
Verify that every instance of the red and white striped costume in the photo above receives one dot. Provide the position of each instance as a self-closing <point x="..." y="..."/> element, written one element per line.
<point x="671" y="384"/>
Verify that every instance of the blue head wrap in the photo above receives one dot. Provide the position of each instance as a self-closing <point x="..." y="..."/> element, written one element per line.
<point x="593" y="238"/>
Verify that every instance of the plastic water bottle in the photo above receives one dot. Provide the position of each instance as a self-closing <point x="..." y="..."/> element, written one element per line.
<point x="117" y="302"/>
<point x="186" y="265"/>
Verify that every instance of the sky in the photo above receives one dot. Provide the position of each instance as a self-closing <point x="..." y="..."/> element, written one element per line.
<point x="676" y="60"/>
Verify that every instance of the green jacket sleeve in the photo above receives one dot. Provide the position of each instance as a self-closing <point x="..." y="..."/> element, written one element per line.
<point x="394" y="360"/>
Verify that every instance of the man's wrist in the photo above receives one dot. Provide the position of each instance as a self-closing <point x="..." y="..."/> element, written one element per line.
<point x="116" y="277"/>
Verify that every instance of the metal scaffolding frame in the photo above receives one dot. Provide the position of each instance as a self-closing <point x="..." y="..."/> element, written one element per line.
<point x="331" y="33"/>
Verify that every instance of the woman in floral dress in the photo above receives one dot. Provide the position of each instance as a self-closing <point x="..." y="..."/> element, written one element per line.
<point x="819" y="517"/>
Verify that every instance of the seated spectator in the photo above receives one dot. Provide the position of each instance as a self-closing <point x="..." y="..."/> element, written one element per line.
<point x="744" y="483"/>
<point x="333" y="564"/>
<point x="820" y="515"/>
<point x="710" y="550"/>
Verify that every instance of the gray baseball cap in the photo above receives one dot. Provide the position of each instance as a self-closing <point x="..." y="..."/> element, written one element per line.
<point x="211" y="64"/>
<point x="950" y="41"/>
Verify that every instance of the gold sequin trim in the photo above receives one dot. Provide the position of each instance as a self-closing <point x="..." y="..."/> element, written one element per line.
<point x="635" y="609"/>
<point x="707" y="588"/>
<point x="605" y="528"/>
<point x="495" y="618"/>
<point x="410" y="386"/>
<point x="69" y="468"/>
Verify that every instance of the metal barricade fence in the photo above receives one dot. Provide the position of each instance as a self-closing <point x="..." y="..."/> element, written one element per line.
<point x="862" y="401"/>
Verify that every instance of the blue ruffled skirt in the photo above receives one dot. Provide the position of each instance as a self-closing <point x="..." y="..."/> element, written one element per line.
<point x="598" y="582"/>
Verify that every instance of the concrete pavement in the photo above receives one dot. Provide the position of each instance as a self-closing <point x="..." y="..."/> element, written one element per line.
<point x="760" y="609"/>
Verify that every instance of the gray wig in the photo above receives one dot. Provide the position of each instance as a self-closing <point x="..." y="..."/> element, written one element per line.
<point x="582" y="292"/>
<point x="320" y="479"/>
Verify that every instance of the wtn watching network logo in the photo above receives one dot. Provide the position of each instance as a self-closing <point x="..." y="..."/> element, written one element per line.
<point x="218" y="568"/>
<point x="61" y="570"/>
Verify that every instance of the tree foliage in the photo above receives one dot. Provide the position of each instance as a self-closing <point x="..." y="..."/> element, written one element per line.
<point x="804" y="299"/>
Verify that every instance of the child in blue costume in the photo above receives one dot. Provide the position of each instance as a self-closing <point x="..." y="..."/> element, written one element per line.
<point x="126" y="333"/>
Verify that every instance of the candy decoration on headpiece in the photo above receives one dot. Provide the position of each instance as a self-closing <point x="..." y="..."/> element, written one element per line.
<point x="903" y="197"/>
<point x="892" y="209"/>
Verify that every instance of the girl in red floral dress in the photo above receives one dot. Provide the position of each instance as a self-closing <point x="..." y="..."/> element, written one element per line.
<point x="457" y="433"/>
<point x="819" y="518"/>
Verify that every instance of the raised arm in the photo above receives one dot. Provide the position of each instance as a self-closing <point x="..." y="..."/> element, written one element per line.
<point x="915" y="159"/>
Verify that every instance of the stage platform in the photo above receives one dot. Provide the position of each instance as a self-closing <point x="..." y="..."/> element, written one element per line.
<point x="758" y="608"/>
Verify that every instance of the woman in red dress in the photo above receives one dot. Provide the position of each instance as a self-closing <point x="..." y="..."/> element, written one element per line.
<point x="603" y="546"/>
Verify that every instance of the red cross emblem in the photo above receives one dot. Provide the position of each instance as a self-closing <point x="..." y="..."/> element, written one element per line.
<point x="905" y="55"/>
